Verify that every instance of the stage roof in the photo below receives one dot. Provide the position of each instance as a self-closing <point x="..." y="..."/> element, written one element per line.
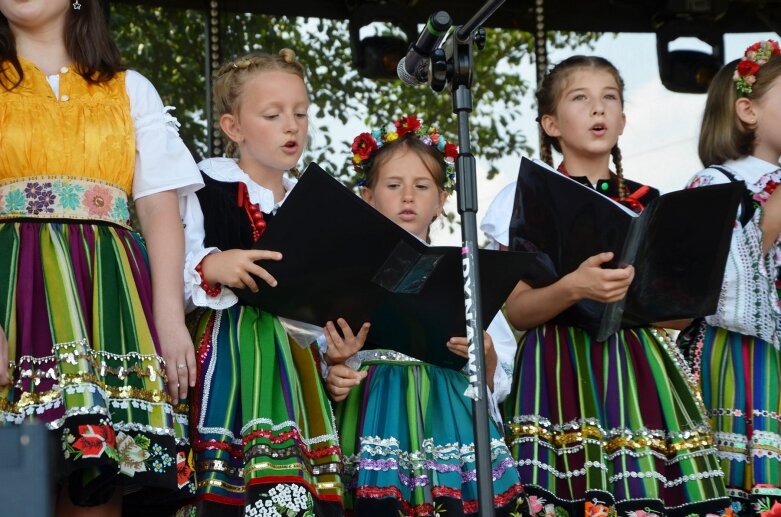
<point x="721" y="16"/>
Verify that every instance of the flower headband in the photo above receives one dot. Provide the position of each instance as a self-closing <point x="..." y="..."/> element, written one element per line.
<point x="366" y="145"/>
<point x="755" y="56"/>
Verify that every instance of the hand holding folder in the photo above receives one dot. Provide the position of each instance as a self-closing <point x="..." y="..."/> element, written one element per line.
<point x="678" y="245"/>
<point x="342" y="258"/>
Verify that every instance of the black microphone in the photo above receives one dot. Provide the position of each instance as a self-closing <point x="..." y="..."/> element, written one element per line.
<point x="413" y="68"/>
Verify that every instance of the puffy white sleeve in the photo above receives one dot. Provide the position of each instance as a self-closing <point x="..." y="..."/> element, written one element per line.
<point x="505" y="346"/>
<point x="496" y="223"/>
<point x="163" y="162"/>
<point x="748" y="302"/>
<point x="194" y="252"/>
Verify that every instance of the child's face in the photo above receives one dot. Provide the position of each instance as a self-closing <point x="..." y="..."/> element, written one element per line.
<point x="406" y="193"/>
<point x="271" y="125"/>
<point x="589" y="116"/>
<point x="767" y="111"/>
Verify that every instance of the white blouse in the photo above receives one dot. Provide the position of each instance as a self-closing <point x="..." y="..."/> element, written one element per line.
<point x="162" y="161"/>
<point x="225" y="170"/>
<point x="748" y="303"/>
<point x="496" y="222"/>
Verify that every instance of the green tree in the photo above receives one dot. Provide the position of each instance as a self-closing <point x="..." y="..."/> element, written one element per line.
<point x="167" y="46"/>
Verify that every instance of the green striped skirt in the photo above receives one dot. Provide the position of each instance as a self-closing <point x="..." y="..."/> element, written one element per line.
<point x="613" y="426"/>
<point x="740" y="377"/>
<point x="264" y="432"/>
<point x="76" y="305"/>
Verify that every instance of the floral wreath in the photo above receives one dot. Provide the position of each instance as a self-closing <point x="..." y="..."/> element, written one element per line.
<point x="755" y="56"/>
<point x="366" y="145"/>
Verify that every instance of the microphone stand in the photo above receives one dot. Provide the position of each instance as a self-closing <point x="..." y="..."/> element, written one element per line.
<point x="452" y="65"/>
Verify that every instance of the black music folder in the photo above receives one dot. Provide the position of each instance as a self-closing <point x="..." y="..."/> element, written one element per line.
<point x="678" y="245"/>
<point x="342" y="258"/>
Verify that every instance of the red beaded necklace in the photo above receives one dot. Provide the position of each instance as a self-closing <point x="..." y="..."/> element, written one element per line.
<point x="253" y="211"/>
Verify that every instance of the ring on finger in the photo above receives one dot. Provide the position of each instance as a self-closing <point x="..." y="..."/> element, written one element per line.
<point x="181" y="366"/>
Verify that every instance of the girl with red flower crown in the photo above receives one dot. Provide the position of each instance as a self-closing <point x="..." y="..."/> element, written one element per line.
<point x="735" y="352"/>
<point x="91" y="313"/>
<point x="406" y="426"/>
<point x="609" y="427"/>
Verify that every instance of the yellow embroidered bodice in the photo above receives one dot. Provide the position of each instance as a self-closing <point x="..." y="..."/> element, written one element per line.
<point x="87" y="133"/>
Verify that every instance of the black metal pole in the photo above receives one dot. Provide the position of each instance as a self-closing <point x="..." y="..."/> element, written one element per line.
<point x="480" y="17"/>
<point x="466" y="179"/>
<point x="451" y="66"/>
<point x="460" y="49"/>
<point x="213" y="29"/>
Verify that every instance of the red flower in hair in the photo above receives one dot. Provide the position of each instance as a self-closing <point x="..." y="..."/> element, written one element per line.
<point x="364" y="146"/>
<point x="746" y="67"/>
<point x="451" y="151"/>
<point x="407" y="124"/>
<point x="755" y="56"/>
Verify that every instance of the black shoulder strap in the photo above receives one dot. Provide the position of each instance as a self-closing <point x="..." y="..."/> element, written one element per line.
<point x="747" y="206"/>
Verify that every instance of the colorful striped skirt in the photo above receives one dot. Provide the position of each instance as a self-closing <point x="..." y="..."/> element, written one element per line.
<point x="265" y="438"/>
<point x="740" y="377"/>
<point x="76" y="305"/>
<point x="408" y="444"/>
<point x="610" y="428"/>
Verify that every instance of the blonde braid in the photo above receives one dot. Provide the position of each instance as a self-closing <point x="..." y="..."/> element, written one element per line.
<point x="616" y="152"/>
<point x="232" y="76"/>
<point x="546" y="154"/>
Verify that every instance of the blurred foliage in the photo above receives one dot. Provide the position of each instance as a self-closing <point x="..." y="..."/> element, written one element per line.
<point x="167" y="45"/>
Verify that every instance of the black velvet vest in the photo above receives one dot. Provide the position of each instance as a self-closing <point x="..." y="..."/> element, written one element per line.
<point x="227" y="224"/>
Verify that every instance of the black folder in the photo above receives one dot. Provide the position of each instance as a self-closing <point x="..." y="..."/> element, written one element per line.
<point x="678" y="245"/>
<point x="342" y="258"/>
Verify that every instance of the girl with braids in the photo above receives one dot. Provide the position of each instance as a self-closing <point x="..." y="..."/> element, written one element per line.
<point x="735" y="352"/>
<point x="601" y="428"/>
<point x="264" y="434"/>
<point x="91" y="313"/>
<point x="406" y="426"/>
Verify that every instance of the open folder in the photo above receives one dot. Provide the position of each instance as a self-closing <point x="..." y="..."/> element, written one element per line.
<point x="678" y="245"/>
<point x="342" y="258"/>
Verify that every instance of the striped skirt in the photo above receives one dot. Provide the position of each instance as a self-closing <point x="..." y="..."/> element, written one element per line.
<point x="408" y="443"/>
<point x="75" y="303"/>
<point x="740" y="378"/>
<point x="610" y="428"/>
<point x="265" y="438"/>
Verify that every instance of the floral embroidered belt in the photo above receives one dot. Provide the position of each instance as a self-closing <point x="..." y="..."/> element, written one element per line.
<point x="62" y="197"/>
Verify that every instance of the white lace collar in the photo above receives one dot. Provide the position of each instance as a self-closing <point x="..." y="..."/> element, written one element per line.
<point x="228" y="170"/>
<point x="751" y="169"/>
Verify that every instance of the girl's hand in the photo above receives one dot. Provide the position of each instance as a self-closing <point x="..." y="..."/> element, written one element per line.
<point x="592" y="282"/>
<point x="5" y="379"/>
<point x="179" y="355"/>
<point x="460" y="347"/>
<point x="341" y="379"/>
<point x="341" y="348"/>
<point x="234" y="268"/>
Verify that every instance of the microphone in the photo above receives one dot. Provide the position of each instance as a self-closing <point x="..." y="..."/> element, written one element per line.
<point x="413" y="68"/>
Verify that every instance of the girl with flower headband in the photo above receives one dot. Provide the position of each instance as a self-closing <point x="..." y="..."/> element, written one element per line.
<point x="406" y="431"/>
<point x="601" y="428"/>
<point x="93" y="314"/>
<point x="735" y="352"/>
<point x="263" y="430"/>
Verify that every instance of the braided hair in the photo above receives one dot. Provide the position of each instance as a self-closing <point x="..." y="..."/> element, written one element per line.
<point x="233" y="75"/>
<point x="549" y="94"/>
